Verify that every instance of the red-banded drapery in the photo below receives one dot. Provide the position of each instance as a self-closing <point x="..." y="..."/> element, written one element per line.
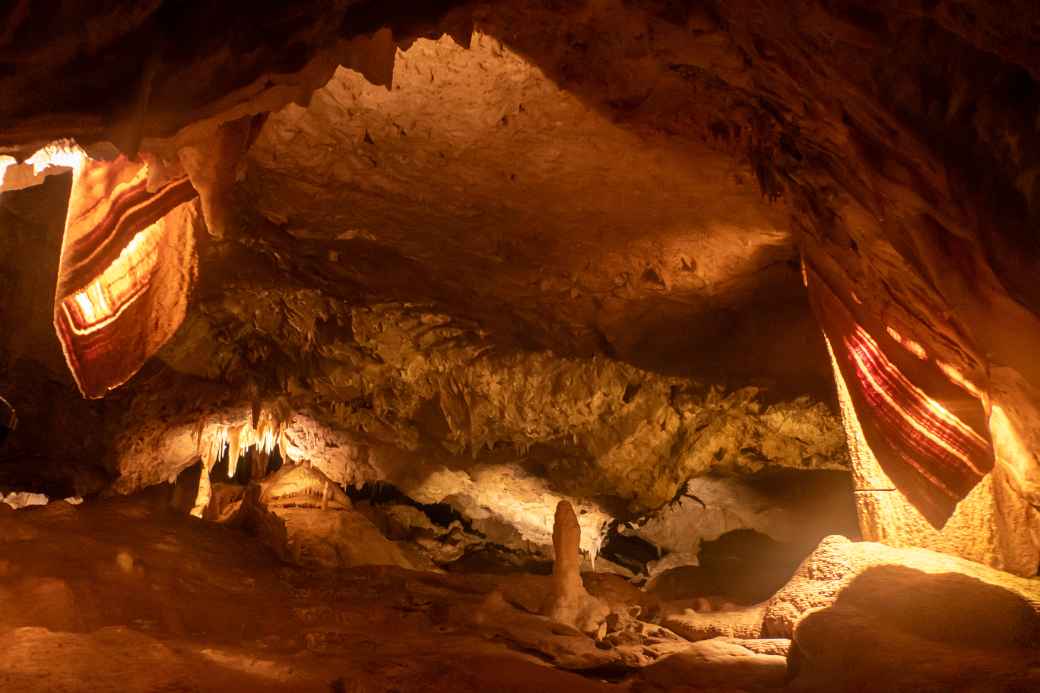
<point x="927" y="433"/>
<point x="127" y="266"/>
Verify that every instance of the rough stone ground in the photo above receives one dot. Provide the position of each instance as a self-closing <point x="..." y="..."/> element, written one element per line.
<point x="125" y="595"/>
<point x="630" y="181"/>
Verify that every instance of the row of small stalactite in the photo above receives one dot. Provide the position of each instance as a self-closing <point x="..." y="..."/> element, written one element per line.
<point x="260" y="434"/>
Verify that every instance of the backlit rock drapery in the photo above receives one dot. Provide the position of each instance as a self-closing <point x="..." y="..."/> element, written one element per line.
<point x="927" y="431"/>
<point x="127" y="264"/>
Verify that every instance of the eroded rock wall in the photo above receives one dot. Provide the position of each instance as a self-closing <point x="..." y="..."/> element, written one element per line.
<point x="432" y="406"/>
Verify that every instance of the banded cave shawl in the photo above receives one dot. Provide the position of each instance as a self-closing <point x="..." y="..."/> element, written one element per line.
<point x="127" y="266"/>
<point x="927" y="434"/>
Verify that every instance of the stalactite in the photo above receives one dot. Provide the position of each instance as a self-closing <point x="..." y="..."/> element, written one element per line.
<point x="242" y="439"/>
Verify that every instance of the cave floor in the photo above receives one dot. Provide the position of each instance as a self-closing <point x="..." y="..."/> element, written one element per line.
<point x="122" y="595"/>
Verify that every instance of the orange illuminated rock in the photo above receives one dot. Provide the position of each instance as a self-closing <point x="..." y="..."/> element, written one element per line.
<point x="827" y="573"/>
<point x="212" y="165"/>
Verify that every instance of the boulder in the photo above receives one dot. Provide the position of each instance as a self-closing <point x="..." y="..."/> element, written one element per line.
<point x="308" y="520"/>
<point x="336" y="539"/>
<point x="837" y="562"/>
<point x="919" y="631"/>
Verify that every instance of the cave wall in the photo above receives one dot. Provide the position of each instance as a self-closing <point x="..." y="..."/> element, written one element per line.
<point x="440" y="392"/>
<point x="902" y="139"/>
<point x="922" y="214"/>
<point x="991" y="525"/>
<point x="59" y="444"/>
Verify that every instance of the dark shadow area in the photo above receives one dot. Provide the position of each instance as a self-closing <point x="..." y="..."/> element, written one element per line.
<point x="383" y="492"/>
<point x="629" y="551"/>
<point x="59" y="445"/>
<point x="740" y="567"/>
<point x="492" y="559"/>
<point x="186" y="488"/>
<point x="248" y="468"/>
<point x="824" y="501"/>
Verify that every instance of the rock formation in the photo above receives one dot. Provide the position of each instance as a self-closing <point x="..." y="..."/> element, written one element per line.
<point x="308" y="520"/>
<point x="568" y="601"/>
<point x="921" y="631"/>
<point x="824" y="576"/>
<point x="836" y="562"/>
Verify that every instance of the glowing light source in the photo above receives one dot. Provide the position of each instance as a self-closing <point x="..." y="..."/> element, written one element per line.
<point x="1013" y="451"/>
<point x="63" y="153"/>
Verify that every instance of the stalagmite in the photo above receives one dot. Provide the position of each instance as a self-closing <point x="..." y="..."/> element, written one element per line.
<point x="205" y="491"/>
<point x="569" y="602"/>
<point x="259" y="461"/>
<point x="235" y="448"/>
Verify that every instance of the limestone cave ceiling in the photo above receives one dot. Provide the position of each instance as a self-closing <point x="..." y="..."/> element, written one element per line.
<point x="564" y="236"/>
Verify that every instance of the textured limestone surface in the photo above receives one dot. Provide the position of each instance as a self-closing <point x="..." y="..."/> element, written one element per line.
<point x="434" y="407"/>
<point x="827" y="573"/>
<point x="581" y="235"/>
<point x="718" y="663"/>
<point x="483" y="260"/>
<point x="795" y="510"/>
<point x="837" y="562"/>
<point x="919" y="630"/>
<point x="743" y="623"/>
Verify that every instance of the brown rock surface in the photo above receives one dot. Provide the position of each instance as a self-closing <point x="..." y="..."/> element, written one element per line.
<point x="919" y="631"/>
<point x="514" y="256"/>
<point x="837" y="562"/>
<point x="889" y="143"/>
<point x="335" y="539"/>
<point x="742" y="623"/>
<point x="307" y="520"/>
<point x="716" y="664"/>
<point x="155" y="601"/>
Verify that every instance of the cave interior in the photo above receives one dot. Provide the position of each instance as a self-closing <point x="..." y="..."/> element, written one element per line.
<point x="520" y="345"/>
